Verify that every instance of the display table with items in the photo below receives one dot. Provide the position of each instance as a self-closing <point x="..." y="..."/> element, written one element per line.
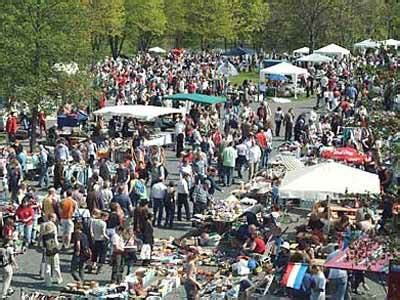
<point x="160" y="139"/>
<point x="363" y="254"/>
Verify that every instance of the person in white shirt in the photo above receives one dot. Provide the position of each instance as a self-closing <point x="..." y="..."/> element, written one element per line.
<point x="183" y="196"/>
<point x="180" y="136"/>
<point x="254" y="159"/>
<point x="319" y="286"/>
<point x="243" y="153"/>
<point x="98" y="232"/>
<point x="338" y="278"/>
<point x="158" y="192"/>
<point x="91" y="151"/>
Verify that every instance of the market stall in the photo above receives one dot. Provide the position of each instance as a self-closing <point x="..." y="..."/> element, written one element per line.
<point x="363" y="254"/>
<point x="301" y="51"/>
<point x="333" y="50"/>
<point x="140" y="112"/>
<point x="346" y="154"/>
<point x="196" y="98"/>
<point x="284" y="68"/>
<point x="315" y="58"/>
<point x="71" y="120"/>
<point x="327" y="179"/>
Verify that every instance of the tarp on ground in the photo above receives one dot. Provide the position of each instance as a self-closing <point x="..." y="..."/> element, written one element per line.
<point x="315" y="58"/>
<point x="141" y="112"/>
<point x="239" y="51"/>
<point x="333" y="50"/>
<point x="327" y="179"/>
<point x="197" y="98"/>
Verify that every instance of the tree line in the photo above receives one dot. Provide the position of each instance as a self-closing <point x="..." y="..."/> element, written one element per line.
<point x="36" y="34"/>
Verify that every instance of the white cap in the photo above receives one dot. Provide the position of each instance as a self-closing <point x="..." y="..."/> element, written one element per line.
<point x="285" y="245"/>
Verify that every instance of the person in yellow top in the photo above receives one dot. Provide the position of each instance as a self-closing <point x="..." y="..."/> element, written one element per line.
<point x="50" y="203"/>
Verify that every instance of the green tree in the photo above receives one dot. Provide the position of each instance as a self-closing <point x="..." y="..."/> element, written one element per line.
<point x="250" y="18"/>
<point x="145" y="21"/>
<point x="35" y="35"/>
<point x="106" y="24"/>
<point x="177" y="24"/>
<point x="210" y="20"/>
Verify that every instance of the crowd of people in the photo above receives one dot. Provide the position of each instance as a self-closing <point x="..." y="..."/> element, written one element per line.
<point x="121" y="200"/>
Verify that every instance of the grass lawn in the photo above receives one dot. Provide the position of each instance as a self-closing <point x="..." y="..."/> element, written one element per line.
<point x="253" y="76"/>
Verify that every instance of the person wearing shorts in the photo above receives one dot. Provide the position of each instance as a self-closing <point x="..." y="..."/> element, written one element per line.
<point x="68" y="207"/>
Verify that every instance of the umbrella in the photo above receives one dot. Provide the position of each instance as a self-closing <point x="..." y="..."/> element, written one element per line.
<point x="277" y="77"/>
<point x="346" y="154"/>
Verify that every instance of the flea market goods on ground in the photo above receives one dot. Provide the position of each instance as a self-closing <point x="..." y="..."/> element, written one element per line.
<point x="181" y="184"/>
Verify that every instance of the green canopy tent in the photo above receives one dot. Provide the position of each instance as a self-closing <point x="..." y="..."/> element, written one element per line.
<point x="197" y="98"/>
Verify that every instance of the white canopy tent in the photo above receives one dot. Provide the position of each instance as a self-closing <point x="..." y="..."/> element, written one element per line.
<point x="367" y="44"/>
<point x="301" y="51"/>
<point x="141" y="112"/>
<point x="327" y="179"/>
<point x="315" y="58"/>
<point x="227" y="69"/>
<point x="284" y="68"/>
<point x="157" y="50"/>
<point x="391" y="43"/>
<point x="333" y="50"/>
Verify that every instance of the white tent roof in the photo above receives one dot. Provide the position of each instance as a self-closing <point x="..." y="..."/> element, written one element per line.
<point x="227" y="69"/>
<point x="303" y="50"/>
<point x="315" y="58"/>
<point x="142" y="112"/>
<point x="333" y="49"/>
<point x="330" y="178"/>
<point x="157" y="50"/>
<point x="283" y="68"/>
<point x="391" y="42"/>
<point x="367" y="44"/>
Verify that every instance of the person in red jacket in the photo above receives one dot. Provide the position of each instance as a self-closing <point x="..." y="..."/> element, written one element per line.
<point x="25" y="215"/>
<point x="11" y="127"/>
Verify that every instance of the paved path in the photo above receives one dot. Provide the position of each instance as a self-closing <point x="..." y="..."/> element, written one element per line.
<point x="27" y="274"/>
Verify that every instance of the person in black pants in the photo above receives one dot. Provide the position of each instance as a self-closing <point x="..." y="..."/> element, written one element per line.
<point x="180" y="139"/>
<point x="183" y="197"/>
<point x="169" y="205"/>
<point x="288" y="121"/>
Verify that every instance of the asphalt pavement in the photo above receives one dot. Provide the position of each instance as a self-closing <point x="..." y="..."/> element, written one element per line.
<point x="27" y="275"/>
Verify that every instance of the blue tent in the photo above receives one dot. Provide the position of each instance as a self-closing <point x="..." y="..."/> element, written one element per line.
<point x="239" y="51"/>
<point x="277" y="77"/>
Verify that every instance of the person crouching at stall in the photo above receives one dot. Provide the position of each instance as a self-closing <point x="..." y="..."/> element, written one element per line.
<point x="254" y="245"/>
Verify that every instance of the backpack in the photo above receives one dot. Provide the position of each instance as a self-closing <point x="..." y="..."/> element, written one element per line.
<point x="4" y="258"/>
<point x="50" y="244"/>
<point x="50" y="159"/>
